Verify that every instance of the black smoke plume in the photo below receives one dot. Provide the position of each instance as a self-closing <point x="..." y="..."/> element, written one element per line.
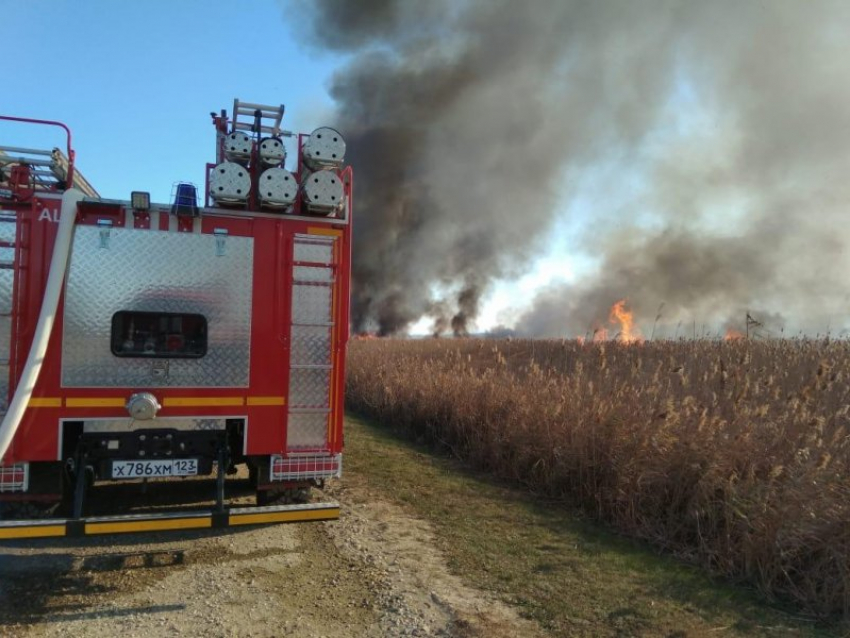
<point x="708" y="144"/>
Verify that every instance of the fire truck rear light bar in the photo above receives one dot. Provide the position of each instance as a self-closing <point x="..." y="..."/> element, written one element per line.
<point x="206" y="519"/>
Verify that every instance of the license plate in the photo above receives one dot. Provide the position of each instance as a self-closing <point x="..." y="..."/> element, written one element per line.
<point x="154" y="469"/>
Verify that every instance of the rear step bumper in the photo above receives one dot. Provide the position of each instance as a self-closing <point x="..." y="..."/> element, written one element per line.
<point x="154" y="522"/>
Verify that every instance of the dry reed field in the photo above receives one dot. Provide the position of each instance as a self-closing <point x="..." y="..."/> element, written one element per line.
<point x="733" y="454"/>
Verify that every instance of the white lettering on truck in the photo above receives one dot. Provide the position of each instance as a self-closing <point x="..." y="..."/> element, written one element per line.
<point x="49" y="215"/>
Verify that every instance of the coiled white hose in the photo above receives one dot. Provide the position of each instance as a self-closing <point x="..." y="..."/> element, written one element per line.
<point x="46" y="319"/>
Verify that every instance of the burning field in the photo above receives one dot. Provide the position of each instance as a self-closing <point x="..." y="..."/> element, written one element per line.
<point x="691" y="182"/>
<point x="731" y="453"/>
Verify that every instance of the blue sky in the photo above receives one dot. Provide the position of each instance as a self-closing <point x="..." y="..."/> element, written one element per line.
<point x="136" y="81"/>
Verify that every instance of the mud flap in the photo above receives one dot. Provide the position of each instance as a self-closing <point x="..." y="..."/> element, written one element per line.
<point x="154" y="522"/>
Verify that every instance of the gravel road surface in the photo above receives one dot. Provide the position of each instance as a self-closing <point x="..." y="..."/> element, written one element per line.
<point x="375" y="572"/>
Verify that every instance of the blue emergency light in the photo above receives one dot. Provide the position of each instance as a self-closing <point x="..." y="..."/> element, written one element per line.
<point x="185" y="200"/>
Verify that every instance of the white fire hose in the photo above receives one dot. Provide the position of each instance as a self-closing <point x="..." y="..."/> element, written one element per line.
<point x="35" y="359"/>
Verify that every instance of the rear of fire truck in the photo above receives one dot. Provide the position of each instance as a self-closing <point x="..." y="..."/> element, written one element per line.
<point x="145" y="345"/>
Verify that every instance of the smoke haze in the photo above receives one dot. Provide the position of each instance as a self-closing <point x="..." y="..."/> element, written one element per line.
<point x="715" y="138"/>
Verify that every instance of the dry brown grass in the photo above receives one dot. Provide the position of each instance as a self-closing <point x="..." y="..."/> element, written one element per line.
<point x="735" y="454"/>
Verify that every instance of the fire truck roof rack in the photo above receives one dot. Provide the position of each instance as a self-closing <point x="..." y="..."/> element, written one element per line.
<point x="272" y="114"/>
<point x="49" y="169"/>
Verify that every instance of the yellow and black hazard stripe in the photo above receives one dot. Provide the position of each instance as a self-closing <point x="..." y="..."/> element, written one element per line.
<point x="168" y="522"/>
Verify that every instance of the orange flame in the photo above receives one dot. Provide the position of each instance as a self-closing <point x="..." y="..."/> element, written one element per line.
<point x="629" y="333"/>
<point x="733" y="335"/>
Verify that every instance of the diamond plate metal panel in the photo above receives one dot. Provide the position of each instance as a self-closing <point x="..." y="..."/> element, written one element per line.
<point x="307" y="430"/>
<point x="311" y="303"/>
<point x="311" y="345"/>
<point x="308" y="388"/>
<point x="5" y="337"/>
<point x="7" y="279"/>
<point x="312" y="249"/>
<point x="4" y="388"/>
<point x="7" y="255"/>
<point x="7" y="231"/>
<point x="312" y="274"/>
<point x="155" y="271"/>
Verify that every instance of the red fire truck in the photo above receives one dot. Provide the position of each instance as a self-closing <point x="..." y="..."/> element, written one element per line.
<point x="152" y="343"/>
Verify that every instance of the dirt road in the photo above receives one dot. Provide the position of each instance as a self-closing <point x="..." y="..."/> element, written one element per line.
<point x="373" y="573"/>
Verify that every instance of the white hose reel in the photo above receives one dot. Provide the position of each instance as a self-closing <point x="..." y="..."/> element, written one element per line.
<point x="325" y="148"/>
<point x="238" y="147"/>
<point x="272" y="151"/>
<point x="322" y="192"/>
<point x="277" y="188"/>
<point x="230" y="183"/>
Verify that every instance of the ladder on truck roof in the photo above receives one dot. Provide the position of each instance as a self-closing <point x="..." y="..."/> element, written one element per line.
<point x="49" y="169"/>
<point x="273" y="115"/>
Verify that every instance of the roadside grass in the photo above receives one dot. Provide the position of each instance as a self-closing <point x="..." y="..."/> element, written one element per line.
<point x="571" y="575"/>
